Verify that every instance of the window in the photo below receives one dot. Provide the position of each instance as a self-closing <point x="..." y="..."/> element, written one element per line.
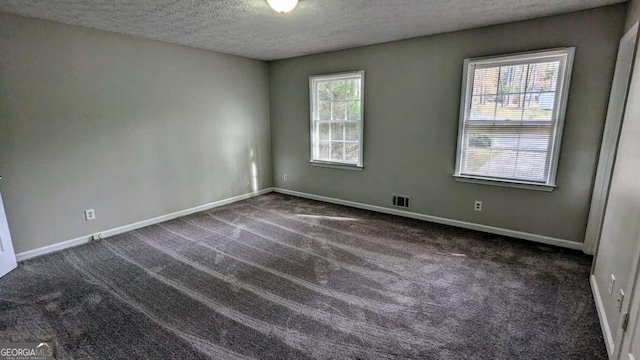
<point x="511" y="118"/>
<point x="336" y="119"/>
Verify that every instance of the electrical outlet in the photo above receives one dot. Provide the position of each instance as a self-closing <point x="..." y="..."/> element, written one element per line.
<point x="285" y="177"/>
<point x="612" y="282"/>
<point x="477" y="206"/>
<point x="96" y="237"/>
<point x="89" y="214"/>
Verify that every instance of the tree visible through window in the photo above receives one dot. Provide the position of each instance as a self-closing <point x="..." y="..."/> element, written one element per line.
<point x="336" y="118"/>
<point x="512" y="115"/>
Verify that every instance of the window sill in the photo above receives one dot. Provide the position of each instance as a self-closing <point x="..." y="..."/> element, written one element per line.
<point x="336" y="165"/>
<point x="505" y="183"/>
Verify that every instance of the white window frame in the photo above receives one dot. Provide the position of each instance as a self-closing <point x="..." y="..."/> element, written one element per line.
<point x="562" y="95"/>
<point x="313" y="80"/>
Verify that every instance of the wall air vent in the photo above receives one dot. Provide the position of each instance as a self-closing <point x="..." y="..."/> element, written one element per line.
<point x="401" y="201"/>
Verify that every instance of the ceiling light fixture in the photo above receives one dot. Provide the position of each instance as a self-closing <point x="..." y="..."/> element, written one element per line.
<point x="282" y="6"/>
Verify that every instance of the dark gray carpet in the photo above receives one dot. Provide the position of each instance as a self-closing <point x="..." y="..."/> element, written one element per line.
<point x="278" y="277"/>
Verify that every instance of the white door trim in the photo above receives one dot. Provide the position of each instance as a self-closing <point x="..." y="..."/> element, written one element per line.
<point x="611" y="137"/>
<point x="7" y="256"/>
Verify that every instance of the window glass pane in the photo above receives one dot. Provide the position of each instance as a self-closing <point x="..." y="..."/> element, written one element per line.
<point x="352" y="152"/>
<point x="531" y="165"/>
<point x="353" y="89"/>
<point x="519" y="141"/>
<point x="539" y="106"/>
<point x="352" y="132"/>
<point x="337" y="131"/>
<point x="476" y="159"/>
<point x="508" y="112"/>
<point x="353" y="110"/>
<point x="543" y="76"/>
<point x="508" y="154"/>
<point x="324" y="90"/>
<point x="339" y="90"/>
<point x="337" y="150"/>
<point x="483" y="107"/>
<point x="323" y="131"/>
<point x="339" y="111"/>
<point x="512" y="79"/>
<point x="324" y="110"/>
<point x="510" y="97"/>
<point x="323" y="150"/>
<point x="485" y="81"/>
<point x="501" y="163"/>
<point x="480" y="141"/>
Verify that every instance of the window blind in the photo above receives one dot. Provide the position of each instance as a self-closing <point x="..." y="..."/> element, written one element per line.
<point x="512" y="111"/>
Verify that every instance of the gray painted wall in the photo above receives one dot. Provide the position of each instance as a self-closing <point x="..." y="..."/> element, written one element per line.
<point x="412" y="99"/>
<point x="132" y="128"/>
<point x="633" y="13"/>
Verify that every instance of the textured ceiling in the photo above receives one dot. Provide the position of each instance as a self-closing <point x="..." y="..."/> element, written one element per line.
<point x="250" y="28"/>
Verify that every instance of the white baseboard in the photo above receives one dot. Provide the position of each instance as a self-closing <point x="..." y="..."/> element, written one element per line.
<point x="467" y="225"/>
<point x="604" y="324"/>
<point x="122" y="229"/>
<point x="52" y="248"/>
<point x="463" y="224"/>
